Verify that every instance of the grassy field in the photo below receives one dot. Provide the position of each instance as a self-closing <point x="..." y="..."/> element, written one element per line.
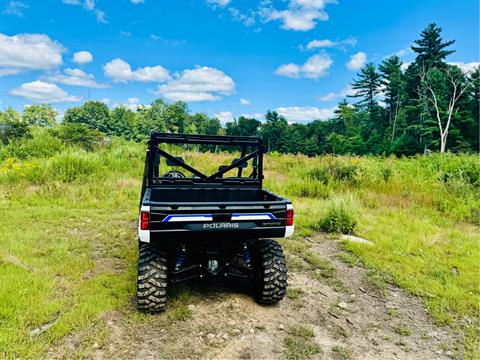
<point x="68" y="248"/>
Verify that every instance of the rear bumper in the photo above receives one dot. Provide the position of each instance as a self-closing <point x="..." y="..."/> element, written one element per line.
<point x="209" y="223"/>
<point x="238" y="234"/>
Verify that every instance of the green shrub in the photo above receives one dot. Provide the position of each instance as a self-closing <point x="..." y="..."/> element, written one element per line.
<point x="320" y="174"/>
<point x="343" y="171"/>
<point x="338" y="220"/>
<point x="79" y="135"/>
<point x="340" y="217"/>
<point x="41" y="145"/>
<point x="387" y="173"/>
<point x="12" y="128"/>
<point x="69" y="166"/>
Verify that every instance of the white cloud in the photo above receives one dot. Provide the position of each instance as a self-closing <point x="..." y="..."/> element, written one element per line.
<point x="220" y="3"/>
<point x="90" y="6"/>
<point x="171" y="42"/>
<point x="309" y="113"/>
<point x="346" y="91"/>
<point x="24" y="52"/>
<point x="289" y="70"/>
<point x="15" y="8"/>
<point x="82" y="57"/>
<point x="297" y="15"/>
<point x="403" y="52"/>
<point x="77" y="77"/>
<point x="303" y="20"/>
<point x="315" y="67"/>
<point x="248" y="18"/>
<point x="4" y="72"/>
<point x="300" y="15"/>
<point x="244" y="101"/>
<point x="466" y="67"/>
<point x="224" y="116"/>
<point x="131" y="103"/>
<point x="136" y="2"/>
<point x="357" y="61"/>
<point x="101" y="17"/>
<point x="405" y="65"/>
<point x="199" y="84"/>
<point x="121" y="71"/>
<point x="327" y="43"/>
<point x="40" y="91"/>
<point x="315" y="44"/>
<point x="256" y="116"/>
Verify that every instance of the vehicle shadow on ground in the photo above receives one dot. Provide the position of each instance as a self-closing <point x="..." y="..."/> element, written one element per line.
<point x="212" y="289"/>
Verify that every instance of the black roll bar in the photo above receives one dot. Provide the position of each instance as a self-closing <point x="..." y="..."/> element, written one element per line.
<point x="255" y="179"/>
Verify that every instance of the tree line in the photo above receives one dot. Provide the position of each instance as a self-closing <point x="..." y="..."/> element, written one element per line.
<point x="396" y="108"/>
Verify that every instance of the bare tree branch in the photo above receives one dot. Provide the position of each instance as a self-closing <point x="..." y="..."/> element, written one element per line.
<point x="459" y="83"/>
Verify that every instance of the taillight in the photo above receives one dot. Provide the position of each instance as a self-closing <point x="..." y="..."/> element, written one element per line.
<point x="144" y="220"/>
<point x="289" y="219"/>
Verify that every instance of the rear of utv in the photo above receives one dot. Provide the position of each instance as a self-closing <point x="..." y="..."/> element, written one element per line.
<point x="194" y="225"/>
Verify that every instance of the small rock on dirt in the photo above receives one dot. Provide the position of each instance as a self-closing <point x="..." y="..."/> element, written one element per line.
<point x="342" y="305"/>
<point x="42" y="328"/>
<point x="356" y="239"/>
<point x="281" y="327"/>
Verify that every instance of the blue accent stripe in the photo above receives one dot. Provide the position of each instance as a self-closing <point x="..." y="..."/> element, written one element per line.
<point x="206" y="217"/>
<point x="270" y="215"/>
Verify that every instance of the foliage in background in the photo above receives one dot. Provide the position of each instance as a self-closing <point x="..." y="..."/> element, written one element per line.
<point x="427" y="106"/>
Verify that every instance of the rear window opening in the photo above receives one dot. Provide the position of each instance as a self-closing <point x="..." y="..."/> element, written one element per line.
<point x="178" y="194"/>
<point x="238" y="160"/>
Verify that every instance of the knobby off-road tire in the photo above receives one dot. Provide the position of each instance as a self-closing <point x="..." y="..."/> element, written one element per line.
<point x="152" y="279"/>
<point x="272" y="272"/>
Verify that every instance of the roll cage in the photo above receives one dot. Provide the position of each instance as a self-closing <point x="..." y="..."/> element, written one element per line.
<point x="250" y="147"/>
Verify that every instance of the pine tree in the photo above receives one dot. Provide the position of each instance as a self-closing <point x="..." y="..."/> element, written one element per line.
<point x="273" y="130"/>
<point x="394" y="90"/>
<point x="431" y="52"/>
<point x="349" y="123"/>
<point x="474" y="108"/>
<point x="310" y="146"/>
<point x="430" y="49"/>
<point x="367" y="86"/>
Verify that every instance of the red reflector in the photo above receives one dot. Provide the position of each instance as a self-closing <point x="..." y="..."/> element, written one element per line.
<point x="144" y="220"/>
<point x="289" y="220"/>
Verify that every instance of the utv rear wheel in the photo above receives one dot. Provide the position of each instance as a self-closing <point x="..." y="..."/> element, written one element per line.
<point x="152" y="279"/>
<point x="272" y="272"/>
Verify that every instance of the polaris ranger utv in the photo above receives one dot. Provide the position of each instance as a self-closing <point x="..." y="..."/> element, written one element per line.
<point x="197" y="226"/>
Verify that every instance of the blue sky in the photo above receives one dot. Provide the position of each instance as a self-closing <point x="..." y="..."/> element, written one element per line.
<point x="223" y="57"/>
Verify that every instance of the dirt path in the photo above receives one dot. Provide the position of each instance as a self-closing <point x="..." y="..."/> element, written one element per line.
<point x="345" y="315"/>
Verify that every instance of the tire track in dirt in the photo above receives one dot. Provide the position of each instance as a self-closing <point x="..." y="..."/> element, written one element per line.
<point x="229" y="325"/>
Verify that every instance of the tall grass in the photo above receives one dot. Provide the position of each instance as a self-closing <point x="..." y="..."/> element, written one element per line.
<point x="58" y="205"/>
